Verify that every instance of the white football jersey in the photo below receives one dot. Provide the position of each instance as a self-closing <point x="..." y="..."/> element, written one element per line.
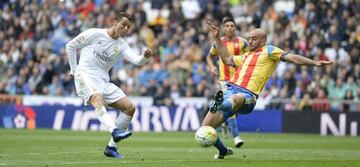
<point x="99" y="52"/>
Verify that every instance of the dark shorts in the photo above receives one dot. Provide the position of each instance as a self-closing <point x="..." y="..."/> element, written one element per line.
<point x="249" y="103"/>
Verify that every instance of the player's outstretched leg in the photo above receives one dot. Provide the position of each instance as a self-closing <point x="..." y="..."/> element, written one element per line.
<point x="112" y="152"/>
<point x="235" y="132"/>
<point x="214" y="120"/>
<point x="223" y="151"/>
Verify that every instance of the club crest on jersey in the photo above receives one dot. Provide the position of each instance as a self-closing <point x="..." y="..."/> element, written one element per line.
<point x="115" y="50"/>
<point x="81" y="39"/>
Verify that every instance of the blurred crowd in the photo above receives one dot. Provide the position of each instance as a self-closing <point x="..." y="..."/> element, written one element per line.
<point x="33" y="34"/>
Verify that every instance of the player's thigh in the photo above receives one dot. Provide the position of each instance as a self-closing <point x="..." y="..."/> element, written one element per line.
<point x="213" y="120"/>
<point x="235" y="96"/>
<point x="125" y="105"/>
<point x="112" y="93"/>
<point x="116" y="98"/>
<point x="85" y="87"/>
<point x="246" y="103"/>
<point x="238" y="101"/>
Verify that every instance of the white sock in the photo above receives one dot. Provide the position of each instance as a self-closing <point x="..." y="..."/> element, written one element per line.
<point x="123" y="121"/>
<point x="112" y="143"/>
<point x="105" y="118"/>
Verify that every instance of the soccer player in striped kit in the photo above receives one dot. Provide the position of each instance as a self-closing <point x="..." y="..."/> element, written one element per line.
<point x="255" y="68"/>
<point x="100" y="49"/>
<point x="236" y="46"/>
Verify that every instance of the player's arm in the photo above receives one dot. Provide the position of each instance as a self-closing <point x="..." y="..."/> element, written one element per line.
<point x="301" y="60"/>
<point x="277" y="54"/>
<point x="136" y="59"/>
<point x="210" y="62"/>
<point x="222" y="50"/>
<point x="224" y="53"/>
<point x="78" y="42"/>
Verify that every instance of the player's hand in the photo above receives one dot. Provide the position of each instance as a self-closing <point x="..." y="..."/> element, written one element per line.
<point x="148" y="53"/>
<point x="214" y="31"/>
<point x="71" y="74"/>
<point x="323" y="63"/>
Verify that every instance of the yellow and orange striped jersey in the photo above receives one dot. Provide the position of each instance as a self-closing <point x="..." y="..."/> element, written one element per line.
<point x="255" y="68"/>
<point x="236" y="47"/>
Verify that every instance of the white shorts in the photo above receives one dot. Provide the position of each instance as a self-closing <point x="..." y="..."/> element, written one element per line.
<point x="87" y="85"/>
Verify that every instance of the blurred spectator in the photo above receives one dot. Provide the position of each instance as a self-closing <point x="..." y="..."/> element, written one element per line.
<point x="190" y="9"/>
<point x="321" y="102"/>
<point x="34" y="79"/>
<point x="336" y="94"/>
<point x="292" y="104"/>
<point x="346" y="105"/>
<point x="305" y="103"/>
<point x="159" y="97"/>
<point x="351" y="86"/>
<point x="263" y="101"/>
<point x="336" y="53"/>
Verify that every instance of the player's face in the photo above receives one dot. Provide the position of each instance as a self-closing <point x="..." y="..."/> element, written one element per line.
<point x="122" y="27"/>
<point x="255" y="41"/>
<point x="229" y="28"/>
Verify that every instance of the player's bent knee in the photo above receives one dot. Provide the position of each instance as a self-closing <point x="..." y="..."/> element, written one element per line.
<point x="96" y="97"/>
<point x="96" y="100"/>
<point x="238" y="101"/>
<point x="130" y="110"/>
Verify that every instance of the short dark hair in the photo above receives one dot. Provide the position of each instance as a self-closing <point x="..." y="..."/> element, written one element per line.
<point x="121" y="15"/>
<point x="227" y="19"/>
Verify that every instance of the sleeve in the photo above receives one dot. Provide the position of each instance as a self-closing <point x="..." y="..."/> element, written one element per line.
<point x="134" y="58"/>
<point x="237" y="60"/>
<point x="213" y="50"/>
<point x="244" y="44"/>
<point x="246" y="47"/>
<point x="83" y="39"/>
<point x="275" y="53"/>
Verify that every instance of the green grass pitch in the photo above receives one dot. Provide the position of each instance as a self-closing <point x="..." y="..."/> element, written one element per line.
<point x="46" y="148"/>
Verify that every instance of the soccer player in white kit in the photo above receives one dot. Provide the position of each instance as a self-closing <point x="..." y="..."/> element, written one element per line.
<point x="100" y="48"/>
